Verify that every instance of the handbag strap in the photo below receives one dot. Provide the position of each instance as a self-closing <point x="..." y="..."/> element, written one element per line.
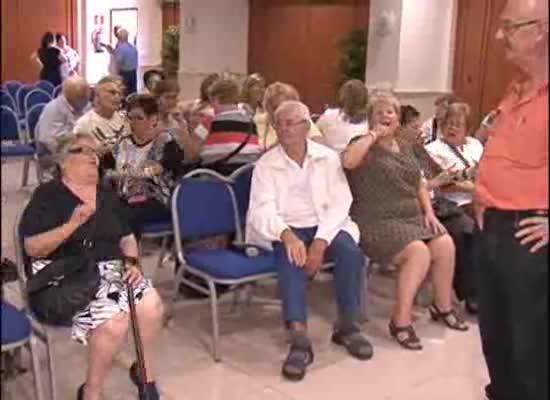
<point x="459" y="155"/>
<point x="235" y="151"/>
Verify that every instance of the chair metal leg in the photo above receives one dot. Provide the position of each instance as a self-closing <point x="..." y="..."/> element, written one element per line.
<point x="169" y="313"/>
<point x="51" y="365"/>
<point x="38" y="386"/>
<point x="26" y="164"/>
<point x="215" y="320"/>
<point x="163" y="251"/>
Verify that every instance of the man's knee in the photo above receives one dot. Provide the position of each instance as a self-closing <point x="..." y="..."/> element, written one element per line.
<point x="343" y="247"/>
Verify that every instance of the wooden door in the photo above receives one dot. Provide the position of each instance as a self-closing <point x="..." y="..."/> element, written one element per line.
<point x="296" y="41"/>
<point x="28" y="20"/>
<point x="481" y="72"/>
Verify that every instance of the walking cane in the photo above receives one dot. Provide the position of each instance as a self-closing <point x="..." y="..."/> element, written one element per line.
<point x="138" y="345"/>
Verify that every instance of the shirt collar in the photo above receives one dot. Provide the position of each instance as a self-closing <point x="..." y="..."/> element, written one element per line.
<point x="314" y="152"/>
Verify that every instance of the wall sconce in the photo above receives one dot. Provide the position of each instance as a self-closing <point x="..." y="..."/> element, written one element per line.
<point x="385" y="23"/>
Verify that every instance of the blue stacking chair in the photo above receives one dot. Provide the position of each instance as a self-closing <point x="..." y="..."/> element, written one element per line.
<point x="17" y="334"/>
<point x="203" y="208"/>
<point x="12" y="87"/>
<point x="46" y="86"/>
<point x="56" y="91"/>
<point x="18" y="147"/>
<point x="7" y="100"/>
<point x="41" y="332"/>
<point x="20" y="99"/>
<point x="157" y="230"/>
<point x="35" y="96"/>
<point x="33" y="115"/>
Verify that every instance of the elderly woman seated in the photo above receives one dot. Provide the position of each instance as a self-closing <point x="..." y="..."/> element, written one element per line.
<point x="274" y="96"/>
<point x="299" y="204"/>
<point x="393" y="209"/>
<point x="341" y="124"/>
<point x="62" y="217"/>
<point x="146" y="164"/>
<point x="459" y="154"/>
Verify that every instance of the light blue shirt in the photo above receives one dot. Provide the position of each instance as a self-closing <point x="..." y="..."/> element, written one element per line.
<point x="126" y="57"/>
<point x="57" y="119"/>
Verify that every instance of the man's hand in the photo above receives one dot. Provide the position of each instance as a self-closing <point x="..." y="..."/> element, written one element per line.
<point x="295" y="248"/>
<point x="533" y="230"/>
<point x="315" y="256"/>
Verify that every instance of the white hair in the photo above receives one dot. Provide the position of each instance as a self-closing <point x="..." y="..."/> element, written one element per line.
<point x="293" y="106"/>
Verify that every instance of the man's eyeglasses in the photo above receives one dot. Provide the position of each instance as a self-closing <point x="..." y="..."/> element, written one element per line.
<point x="289" y="124"/>
<point x="509" y="28"/>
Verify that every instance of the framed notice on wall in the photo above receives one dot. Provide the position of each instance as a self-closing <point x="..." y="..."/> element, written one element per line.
<point x="126" y="18"/>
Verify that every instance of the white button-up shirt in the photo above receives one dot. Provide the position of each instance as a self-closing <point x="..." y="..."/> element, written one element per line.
<point x="282" y="191"/>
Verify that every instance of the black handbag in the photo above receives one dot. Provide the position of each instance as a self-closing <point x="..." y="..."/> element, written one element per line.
<point x="66" y="285"/>
<point x="445" y="208"/>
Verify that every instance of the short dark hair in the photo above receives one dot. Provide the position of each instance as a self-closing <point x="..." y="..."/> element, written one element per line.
<point x="59" y="35"/>
<point x="146" y="102"/>
<point x="205" y="85"/>
<point x="225" y="90"/>
<point x="47" y="39"/>
<point x="408" y="114"/>
<point x="166" y="86"/>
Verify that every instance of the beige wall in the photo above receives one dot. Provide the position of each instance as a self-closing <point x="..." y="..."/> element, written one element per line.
<point x="149" y="40"/>
<point x="214" y="38"/>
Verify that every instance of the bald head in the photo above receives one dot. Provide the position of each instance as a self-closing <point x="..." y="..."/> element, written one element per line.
<point x="526" y="10"/>
<point x="77" y="91"/>
<point x="122" y="35"/>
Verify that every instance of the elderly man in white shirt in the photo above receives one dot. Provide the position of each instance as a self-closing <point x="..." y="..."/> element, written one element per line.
<point x="299" y="204"/>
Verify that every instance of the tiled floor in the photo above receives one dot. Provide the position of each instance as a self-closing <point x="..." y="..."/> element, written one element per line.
<point x="253" y="346"/>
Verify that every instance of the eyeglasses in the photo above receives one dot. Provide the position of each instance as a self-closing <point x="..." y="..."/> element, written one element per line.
<point x="136" y="117"/>
<point x="509" y="28"/>
<point x="289" y="124"/>
<point x="83" y="150"/>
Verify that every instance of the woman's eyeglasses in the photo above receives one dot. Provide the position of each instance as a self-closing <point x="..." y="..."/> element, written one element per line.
<point x="82" y="150"/>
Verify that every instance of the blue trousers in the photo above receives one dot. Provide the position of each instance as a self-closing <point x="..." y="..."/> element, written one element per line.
<point x="293" y="280"/>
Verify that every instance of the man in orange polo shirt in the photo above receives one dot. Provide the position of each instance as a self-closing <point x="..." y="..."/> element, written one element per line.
<point x="511" y="201"/>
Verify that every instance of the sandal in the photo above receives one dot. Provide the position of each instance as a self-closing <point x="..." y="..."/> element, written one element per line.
<point x="410" y="342"/>
<point x="449" y="318"/>
<point x="298" y="359"/>
<point x="355" y="343"/>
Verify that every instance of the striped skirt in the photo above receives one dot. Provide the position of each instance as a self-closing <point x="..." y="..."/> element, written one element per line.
<point x="110" y="300"/>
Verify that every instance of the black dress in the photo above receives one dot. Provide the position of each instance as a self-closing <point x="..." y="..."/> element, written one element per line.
<point x="51" y="205"/>
<point x="51" y="65"/>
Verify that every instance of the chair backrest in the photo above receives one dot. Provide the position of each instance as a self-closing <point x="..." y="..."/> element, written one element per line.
<point x="33" y="115"/>
<point x="56" y="91"/>
<point x="9" y="124"/>
<point x="7" y="100"/>
<point x="241" y="180"/>
<point x="46" y="86"/>
<point x="35" y="96"/>
<point x="203" y="207"/>
<point x="20" y="258"/>
<point x="20" y="98"/>
<point x="12" y="87"/>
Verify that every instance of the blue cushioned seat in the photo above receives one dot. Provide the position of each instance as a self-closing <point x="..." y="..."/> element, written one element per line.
<point x="229" y="264"/>
<point x="15" y="324"/>
<point x="17" y="150"/>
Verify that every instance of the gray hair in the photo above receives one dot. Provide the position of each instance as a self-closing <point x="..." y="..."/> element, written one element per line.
<point x="65" y="142"/>
<point x="293" y="106"/>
